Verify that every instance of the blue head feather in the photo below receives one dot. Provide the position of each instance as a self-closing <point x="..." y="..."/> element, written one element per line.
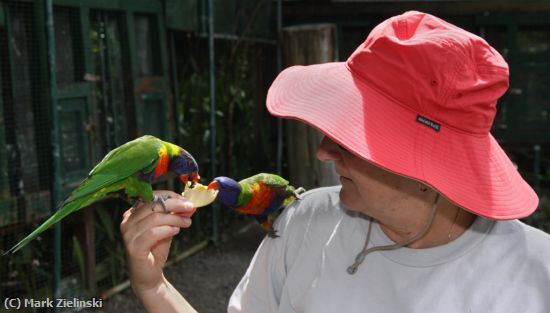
<point x="229" y="191"/>
<point x="184" y="164"/>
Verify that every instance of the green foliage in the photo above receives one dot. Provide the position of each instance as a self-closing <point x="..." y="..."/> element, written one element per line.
<point x="245" y="133"/>
<point x="242" y="126"/>
<point x="27" y="274"/>
<point x="78" y="256"/>
<point x="112" y="264"/>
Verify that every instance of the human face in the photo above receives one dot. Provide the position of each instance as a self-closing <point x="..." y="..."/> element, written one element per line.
<point x="366" y="187"/>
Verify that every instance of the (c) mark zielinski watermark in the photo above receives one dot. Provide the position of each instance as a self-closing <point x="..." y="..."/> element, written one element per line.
<point x="22" y="303"/>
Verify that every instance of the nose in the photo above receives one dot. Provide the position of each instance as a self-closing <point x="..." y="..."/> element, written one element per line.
<point x="328" y="150"/>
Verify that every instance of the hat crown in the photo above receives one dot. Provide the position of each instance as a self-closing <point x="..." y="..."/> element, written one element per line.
<point x="434" y="68"/>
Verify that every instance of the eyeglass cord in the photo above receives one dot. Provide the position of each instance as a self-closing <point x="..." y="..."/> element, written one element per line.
<point x="352" y="269"/>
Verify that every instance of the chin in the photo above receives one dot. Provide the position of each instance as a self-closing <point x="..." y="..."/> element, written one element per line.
<point x="346" y="201"/>
<point x="350" y="203"/>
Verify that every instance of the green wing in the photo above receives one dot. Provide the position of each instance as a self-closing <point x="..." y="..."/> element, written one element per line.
<point x="114" y="172"/>
<point x="275" y="182"/>
<point x="122" y="162"/>
<point x="271" y="180"/>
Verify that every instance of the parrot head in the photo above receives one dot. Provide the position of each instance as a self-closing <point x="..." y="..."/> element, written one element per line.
<point x="185" y="166"/>
<point x="229" y="190"/>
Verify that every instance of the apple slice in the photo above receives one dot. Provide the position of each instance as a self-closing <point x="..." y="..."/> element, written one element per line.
<point x="199" y="195"/>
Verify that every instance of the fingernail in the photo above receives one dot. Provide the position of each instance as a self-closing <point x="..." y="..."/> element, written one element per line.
<point x="188" y="206"/>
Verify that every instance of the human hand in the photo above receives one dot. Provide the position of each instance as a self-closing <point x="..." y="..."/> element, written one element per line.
<point x="148" y="234"/>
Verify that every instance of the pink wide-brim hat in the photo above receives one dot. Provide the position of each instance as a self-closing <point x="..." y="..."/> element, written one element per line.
<point x="418" y="99"/>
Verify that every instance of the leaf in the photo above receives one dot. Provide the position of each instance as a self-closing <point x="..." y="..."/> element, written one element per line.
<point x="106" y="222"/>
<point x="78" y="256"/>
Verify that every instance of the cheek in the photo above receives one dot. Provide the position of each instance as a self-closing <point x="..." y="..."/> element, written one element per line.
<point x="352" y="196"/>
<point x="365" y="194"/>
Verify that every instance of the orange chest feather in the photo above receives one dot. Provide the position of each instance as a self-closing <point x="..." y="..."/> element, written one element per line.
<point x="162" y="165"/>
<point x="259" y="201"/>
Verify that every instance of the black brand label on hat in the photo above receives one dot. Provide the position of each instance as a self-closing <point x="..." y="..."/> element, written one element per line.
<point x="427" y="122"/>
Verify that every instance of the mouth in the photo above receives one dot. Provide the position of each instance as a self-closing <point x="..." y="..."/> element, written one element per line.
<point x="344" y="178"/>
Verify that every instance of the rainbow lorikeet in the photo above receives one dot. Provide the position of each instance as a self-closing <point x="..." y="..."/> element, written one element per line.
<point x="261" y="196"/>
<point x="126" y="171"/>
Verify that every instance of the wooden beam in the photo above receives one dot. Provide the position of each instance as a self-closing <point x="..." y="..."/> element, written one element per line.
<point x="302" y="45"/>
<point x="330" y="11"/>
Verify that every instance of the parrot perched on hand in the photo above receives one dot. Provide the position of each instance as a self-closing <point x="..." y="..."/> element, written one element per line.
<point x="261" y="196"/>
<point x="126" y="171"/>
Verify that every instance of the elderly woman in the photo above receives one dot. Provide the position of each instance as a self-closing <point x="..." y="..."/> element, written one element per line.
<point x="425" y="219"/>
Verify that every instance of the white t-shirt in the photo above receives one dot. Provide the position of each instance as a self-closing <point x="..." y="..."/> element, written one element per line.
<point x="497" y="267"/>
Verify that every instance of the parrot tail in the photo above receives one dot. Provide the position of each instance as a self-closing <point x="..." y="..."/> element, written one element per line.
<point x="65" y="210"/>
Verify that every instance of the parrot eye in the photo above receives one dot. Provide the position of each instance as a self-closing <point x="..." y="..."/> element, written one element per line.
<point x="228" y="190"/>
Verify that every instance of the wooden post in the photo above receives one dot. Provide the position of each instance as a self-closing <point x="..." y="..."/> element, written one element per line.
<point x="85" y="233"/>
<point x="303" y="45"/>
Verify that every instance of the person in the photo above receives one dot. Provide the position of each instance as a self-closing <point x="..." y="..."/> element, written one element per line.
<point x="426" y="216"/>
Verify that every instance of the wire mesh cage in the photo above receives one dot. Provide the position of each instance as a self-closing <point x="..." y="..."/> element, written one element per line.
<point x="129" y="68"/>
<point x="25" y="196"/>
<point x="118" y="74"/>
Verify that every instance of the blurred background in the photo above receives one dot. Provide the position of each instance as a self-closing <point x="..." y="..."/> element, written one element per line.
<point x="81" y="77"/>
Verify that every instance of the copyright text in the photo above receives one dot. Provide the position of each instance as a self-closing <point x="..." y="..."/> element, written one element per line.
<point x="22" y="303"/>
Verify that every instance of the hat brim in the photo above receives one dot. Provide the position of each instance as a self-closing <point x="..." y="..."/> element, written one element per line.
<point x="470" y="170"/>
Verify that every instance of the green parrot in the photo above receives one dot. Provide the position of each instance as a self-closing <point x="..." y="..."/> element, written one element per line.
<point x="262" y="196"/>
<point x="126" y="171"/>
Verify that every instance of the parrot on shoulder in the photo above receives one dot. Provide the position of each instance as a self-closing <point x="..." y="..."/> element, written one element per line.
<point x="126" y="171"/>
<point x="262" y="196"/>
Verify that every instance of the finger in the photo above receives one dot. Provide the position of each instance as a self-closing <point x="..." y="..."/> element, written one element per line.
<point x="176" y="203"/>
<point x="125" y="217"/>
<point x="169" y="193"/>
<point x="176" y="206"/>
<point x="154" y="220"/>
<point x="143" y="206"/>
<point x="160" y="249"/>
<point x="127" y="213"/>
<point x="143" y="244"/>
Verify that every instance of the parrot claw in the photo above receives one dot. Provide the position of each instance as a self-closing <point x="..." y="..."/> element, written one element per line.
<point x="272" y="233"/>
<point x="298" y="192"/>
<point x="162" y="201"/>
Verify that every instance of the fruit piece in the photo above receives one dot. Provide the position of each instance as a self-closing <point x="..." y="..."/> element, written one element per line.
<point x="199" y="194"/>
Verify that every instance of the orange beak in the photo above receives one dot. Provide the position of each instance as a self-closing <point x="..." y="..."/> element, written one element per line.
<point x="195" y="176"/>
<point x="213" y="185"/>
<point x="184" y="179"/>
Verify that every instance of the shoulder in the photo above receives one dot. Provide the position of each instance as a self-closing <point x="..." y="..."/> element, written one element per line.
<point x="308" y="223"/>
<point x="319" y="203"/>
<point x="518" y="232"/>
<point x="320" y="198"/>
<point x="526" y="243"/>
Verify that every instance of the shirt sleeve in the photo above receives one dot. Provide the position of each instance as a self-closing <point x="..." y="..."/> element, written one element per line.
<point x="260" y="288"/>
